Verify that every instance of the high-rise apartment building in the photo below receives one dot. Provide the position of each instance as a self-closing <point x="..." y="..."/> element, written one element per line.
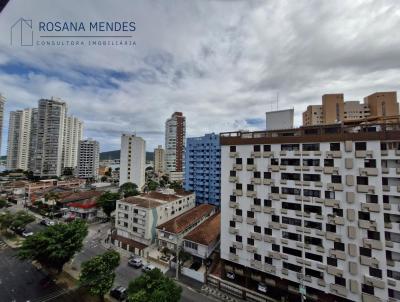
<point x="203" y="168"/>
<point x="279" y="119"/>
<point x="49" y="138"/>
<point x="334" y="109"/>
<point x="33" y="138"/>
<point x="317" y="207"/>
<point x="2" y="102"/>
<point x="159" y="160"/>
<point x="132" y="160"/>
<point x="88" y="159"/>
<point x="73" y="134"/>
<point x="19" y="132"/>
<point x="175" y="136"/>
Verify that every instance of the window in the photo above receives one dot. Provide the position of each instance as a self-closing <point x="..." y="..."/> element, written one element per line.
<point x="267" y="203"/>
<point x="375" y="272"/>
<point x="331" y="261"/>
<point x="238" y="238"/>
<point x="331" y="228"/>
<point x="337" y="212"/>
<point x="257" y="175"/>
<point x="232" y="173"/>
<point x="374" y="235"/>
<point x="232" y="250"/>
<point x="291" y="206"/>
<point x="367" y="289"/>
<point x="256" y="148"/>
<point x="361" y="146"/>
<point x="276" y="248"/>
<point x="267" y="148"/>
<point x="312" y="209"/>
<point x="239" y="161"/>
<point x="328" y="162"/>
<point x="335" y="146"/>
<point x="257" y="229"/>
<point x="340" y="281"/>
<point x="314" y="257"/>
<point x="257" y="201"/>
<point x="238" y="212"/>
<point x="290" y="147"/>
<point x="250" y="241"/>
<point x="191" y="245"/>
<point x="312" y="193"/>
<point x="275" y="218"/>
<point x="238" y="186"/>
<point x="310" y="147"/>
<point x="362" y="180"/>
<point x="232" y="148"/>
<point x="291" y="221"/>
<point x="365" y="252"/>
<point x="267" y="231"/>
<point x="313" y="225"/>
<point x="336" y="179"/>
<point x="250" y="214"/>
<point x="291" y="191"/>
<point x="232" y="224"/>
<point x="250" y="161"/>
<point x="311" y="162"/>
<point x="290" y="161"/>
<point x="232" y="198"/>
<point x="267" y="175"/>
<point x="290" y="176"/>
<point x="313" y="240"/>
<point x="369" y="163"/>
<point x="291" y="236"/>
<point x="293" y="252"/>
<point x="274" y="162"/>
<point x="363" y="215"/>
<point x="312" y="177"/>
<point x="275" y="190"/>
<point x="268" y="260"/>
<point x="393" y="274"/>
<point x="330" y="194"/>
<point x="257" y="257"/>
<point x="292" y="267"/>
<point x="338" y="246"/>
<point x="250" y="187"/>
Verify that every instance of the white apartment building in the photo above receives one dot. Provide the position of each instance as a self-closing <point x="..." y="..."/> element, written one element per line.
<point x="132" y="160"/>
<point x="73" y="133"/>
<point x="137" y="217"/>
<point x="175" y="138"/>
<point x="318" y="206"/>
<point x="47" y="160"/>
<point x="19" y="131"/>
<point x="2" y="102"/>
<point x="33" y="138"/>
<point x="88" y="159"/>
<point x="159" y="160"/>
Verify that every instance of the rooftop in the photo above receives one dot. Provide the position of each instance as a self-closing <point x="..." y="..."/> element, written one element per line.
<point x="181" y="222"/>
<point x="207" y="232"/>
<point x="78" y="196"/>
<point x="154" y="199"/>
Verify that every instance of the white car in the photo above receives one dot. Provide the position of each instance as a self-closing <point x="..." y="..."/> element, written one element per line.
<point x="230" y="275"/>
<point x="148" y="267"/>
<point x="27" y="233"/>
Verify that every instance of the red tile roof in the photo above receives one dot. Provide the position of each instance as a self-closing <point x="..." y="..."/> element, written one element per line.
<point x="207" y="232"/>
<point x="78" y="196"/>
<point x="183" y="221"/>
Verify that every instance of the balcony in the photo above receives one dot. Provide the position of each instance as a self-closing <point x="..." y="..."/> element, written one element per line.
<point x="255" y="154"/>
<point x="256" y="236"/>
<point x="335" y="186"/>
<point x="337" y="254"/>
<point x="274" y="168"/>
<point x="251" y="248"/>
<point x="233" y="231"/>
<point x="237" y="192"/>
<point x="233" y="178"/>
<point x="274" y="225"/>
<point x="268" y="182"/>
<point x="274" y="196"/>
<point x="233" y="204"/>
<point x="251" y="167"/>
<point x="237" y="245"/>
<point x="251" y="221"/>
<point x="233" y="257"/>
<point x="331" y="170"/>
<point x="251" y="194"/>
<point x="373" y="244"/>
<point x="369" y="298"/>
<point x="269" y="210"/>
<point x="365" y="189"/>
<point x="268" y="154"/>
<point x="255" y="208"/>
<point x="237" y="218"/>
<point x="333" y="270"/>
<point x="336" y="220"/>
<point x="331" y="203"/>
<point x="371" y="207"/>
<point x="269" y="268"/>
<point x="269" y="239"/>
<point x="332" y="236"/>
<point x="338" y="290"/>
<point x="233" y="154"/>
<point x="369" y="261"/>
<point x="333" y="154"/>
<point x="367" y="224"/>
<point x="237" y="167"/>
<point x="375" y="282"/>
<point x="256" y="181"/>
<point x="256" y="264"/>
<point x="368" y="171"/>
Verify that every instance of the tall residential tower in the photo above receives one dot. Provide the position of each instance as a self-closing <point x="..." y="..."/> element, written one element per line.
<point x="88" y="159"/>
<point x="175" y="136"/>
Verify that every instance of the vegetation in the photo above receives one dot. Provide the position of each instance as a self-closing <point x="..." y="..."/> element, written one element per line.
<point x="108" y="202"/>
<point x="98" y="273"/>
<point x="3" y="203"/>
<point x="152" y="185"/>
<point x="55" y="245"/>
<point x="15" y="220"/>
<point x="154" y="286"/>
<point x="129" y="189"/>
<point x="175" y="185"/>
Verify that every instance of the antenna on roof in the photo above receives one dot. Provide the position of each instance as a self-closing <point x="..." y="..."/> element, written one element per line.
<point x="277" y="100"/>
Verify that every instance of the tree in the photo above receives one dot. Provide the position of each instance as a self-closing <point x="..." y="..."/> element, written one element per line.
<point x="176" y="185"/>
<point x="152" y="185"/>
<point x="108" y="202"/>
<point x="129" y="189"/>
<point x="17" y="220"/>
<point x="98" y="273"/>
<point x="103" y="178"/>
<point x="153" y="286"/>
<point x="3" y="203"/>
<point x="55" y="245"/>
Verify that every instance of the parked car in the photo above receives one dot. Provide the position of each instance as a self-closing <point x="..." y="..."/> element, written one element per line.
<point x="119" y="293"/>
<point x="135" y="262"/>
<point x="27" y="233"/>
<point x="47" y="222"/>
<point x="230" y="275"/>
<point x="148" y="267"/>
<point x="262" y="287"/>
<point x="18" y="230"/>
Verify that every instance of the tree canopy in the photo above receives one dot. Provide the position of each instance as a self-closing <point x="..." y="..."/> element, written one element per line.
<point x="129" y="189"/>
<point x="154" y="286"/>
<point x="55" y="245"/>
<point x="152" y="185"/>
<point x="98" y="273"/>
<point x="108" y="202"/>
<point x="15" y="220"/>
<point x="3" y="203"/>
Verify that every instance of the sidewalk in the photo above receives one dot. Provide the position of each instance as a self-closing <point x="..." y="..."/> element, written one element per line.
<point x="188" y="282"/>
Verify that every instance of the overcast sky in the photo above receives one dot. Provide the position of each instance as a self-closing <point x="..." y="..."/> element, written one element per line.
<point x="221" y="63"/>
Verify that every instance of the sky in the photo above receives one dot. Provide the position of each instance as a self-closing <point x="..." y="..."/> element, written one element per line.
<point x="222" y="63"/>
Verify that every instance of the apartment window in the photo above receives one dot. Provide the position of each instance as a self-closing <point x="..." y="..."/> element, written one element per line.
<point x="312" y="209"/>
<point x="257" y="257"/>
<point x="275" y="218"/>
<point x="369" y="163"/>
<point x="257" y="175"/>
<point x="314" y="273"/>
<point x="292" y="267"/>
<point x="268" y="260"/>
<point x="232" y="198"/>
<point x="291" y="206"/>
<point x="290" y="176"/>
<point x="367" y="289"/>
<point x="267" y="148"/>
<point x="362" y="180"/>
<point x="291" y="191"/>
<point x="336" y="179"/>
<point x="276" y="248"/>
<point x="375" y="272"/>
<point x="250" y="214"/>
<point x="232" y="223"/>
<point x="290" y="147"/>
<point x="250" y="241"/>
<point x="250" y="187"/>
<point x="338" y="246"/>
<point x="290" y="161"/>
<point x="291" y="236"/>
<point x="312" y="177"/>
<point x="250" y="161"/>
<point x="337" y="212"/>
<point x="232" y="173"/>
<point x="238" y="238"/>
<point x="256" y="148"/>
<point x="238" y="186"/>
<point x="267" y="231"/>
<point x="291" y="221"/>
<point x="275" y="190"/>
<point x="361" y="146"/>
<point x="191" y="245"/>
<point x="312" y="193"/>
<point x="239" y="161"/>
<point x="340" y="281"/>
<point x="232" y="250"/>
<point x="274" y="162"/>
<point x="313" y="240"/>
<point x="331" y="261"/>
<point x="267" y="175"/>
<point x="393" y="274"/>
<point x="313" y="225"/>
<point x="365" y="252"/>
<point x="331" y="228"/>
<point x="257" y="229"/>
<point x="335" y="146"/>
<point x="293" y="252"/>
<point x="328" y="162"/>
<point x="267" y="203"/>
<point x="311" y="162"/>
<point x="364" y="215"/>
<point x="257" y="201"/>
<point x="371" y="198"/>
<point x="310" y="147"/>
<point x="374" y="235"/>
<point x="232" y="148"/>
<point x="238" y="212"/>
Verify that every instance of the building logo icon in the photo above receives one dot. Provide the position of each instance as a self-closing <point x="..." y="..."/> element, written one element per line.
<point x="21" y="33"/>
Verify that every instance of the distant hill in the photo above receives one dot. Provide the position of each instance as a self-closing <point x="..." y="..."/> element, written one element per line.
<point x="116" y="154"/>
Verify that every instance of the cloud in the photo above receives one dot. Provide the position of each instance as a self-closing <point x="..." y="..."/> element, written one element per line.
<point x="221" y="63"/>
